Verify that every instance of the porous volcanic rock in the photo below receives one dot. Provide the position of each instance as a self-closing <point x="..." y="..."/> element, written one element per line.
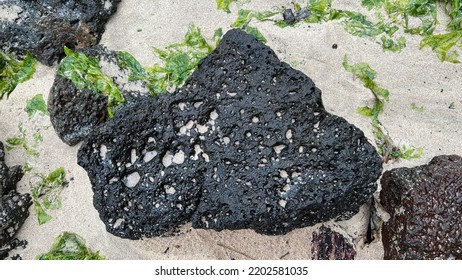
<point x="425" y="205"/>
<point x="245" y="143"/>
<point x="14" y="207"/>
<point x="331" y="245"/>
<point x="44" y="27"/>
<point x="73" y="112"/>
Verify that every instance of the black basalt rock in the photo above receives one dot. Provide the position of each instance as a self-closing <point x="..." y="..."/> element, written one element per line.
<point x="75" y="113"/>
<point x="331" y="245"/>
<point x="245" y="143"/>
<point x="425" y="205"/>
<point x="44" y="27"/>
<point x="14" y="207"/>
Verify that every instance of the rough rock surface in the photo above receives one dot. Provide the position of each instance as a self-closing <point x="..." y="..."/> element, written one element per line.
<point x="14" y="207"/>
<point x="425" y="204"/>
<point x="12" y="245"/>
<point x="74" y="113"/>
<point x="245" y="143"/>
<point x="331" y="245"/>
<point x="44" y="27"/>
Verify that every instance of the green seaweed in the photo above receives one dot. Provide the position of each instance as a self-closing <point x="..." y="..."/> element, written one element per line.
<point x="70" y="246"/>
<point x="367" y="75"/>
<point x="179" y="61"/>
<point x="417" y="108"/>
<point x="444" y="45"/>
<point x="357" y="24"/>
<point x="38" y="137"/>
<point x="246" y="16"/>
<point x="21" y="141"/>
<point x="390" y="16"/>
<point x="256" y="33"/>
<point x="46" y="194"/>
<point x="385" y="145"/>
<point x="84" y="72"/>
<point x="389" y="44"/>
<point x="455" y="13"/>
<point x="217" y="35"/>
<point x="26" y="168"/>
<point x="372" y="4"/>
<point x="14" y="71"/>
<point x="405" y="152"/>
<point x="321" y="10"/>
<point x="36" y="104"/>
<point x="224" y="5"/>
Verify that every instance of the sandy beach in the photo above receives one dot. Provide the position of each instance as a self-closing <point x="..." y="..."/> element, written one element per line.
<point x="413" y="75"/>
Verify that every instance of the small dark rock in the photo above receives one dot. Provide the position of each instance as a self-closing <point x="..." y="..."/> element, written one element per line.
<point x="302" y="14"/>
<point x="44" y="27"/>
<point x="331" y="245"/>
<point x="334" y="46"/>
<point x="14" y="207"/>
<point x="425" y="205"/>
<point x="245" y="143"/>
<point x="288" y="16"/>
<point x="74" y="113"/>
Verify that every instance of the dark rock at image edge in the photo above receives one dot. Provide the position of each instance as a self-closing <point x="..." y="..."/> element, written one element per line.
<point x="44" y="27"/>
<point x="14" y="207"/>
<point x="245" y="143"/>
<point x="425" y="205"/>
<point x="331" y="245"/>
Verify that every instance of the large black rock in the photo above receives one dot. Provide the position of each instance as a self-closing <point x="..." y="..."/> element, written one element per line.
<point x="245" y="143"/>
<point x="75" y="113"/>
<point x="14" y="207"/>
<point x="44" y="27"/>
<point x="425" y="205"/>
